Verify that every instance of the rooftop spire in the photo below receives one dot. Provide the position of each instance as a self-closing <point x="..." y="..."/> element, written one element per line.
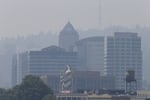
<point x="68" y="29"/>
<point x="69" y="26"/>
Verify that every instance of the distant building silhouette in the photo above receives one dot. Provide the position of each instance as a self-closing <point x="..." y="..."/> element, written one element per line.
<point x="91" y="53"/>
<point x="67" y="37"/>
<point x="123" y="53"/>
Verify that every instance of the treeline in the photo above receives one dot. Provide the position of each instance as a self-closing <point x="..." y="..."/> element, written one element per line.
<point x="31" y="88"/>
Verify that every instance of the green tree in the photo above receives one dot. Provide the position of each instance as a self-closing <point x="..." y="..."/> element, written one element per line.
<point x="7" y="94"/>
<point x="2" y="91"/>
<point x="49" y="97"/>
<point x="32" y="88"/>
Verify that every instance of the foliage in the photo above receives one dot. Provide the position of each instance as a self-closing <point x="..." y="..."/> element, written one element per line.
<point x="31" y="88"/>
<point x="49" y="97"/>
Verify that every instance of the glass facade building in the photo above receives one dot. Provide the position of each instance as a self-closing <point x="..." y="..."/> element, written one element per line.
<point x="49" y="61"/>
<point x="91" y="53"/>
<point x="123" y="53"/>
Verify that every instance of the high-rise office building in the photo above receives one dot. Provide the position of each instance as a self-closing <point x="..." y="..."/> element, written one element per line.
<point x="14" y="71"/>
<point x="123" y="53"/>
<point x="48" y="61"/>
<point x="19" y="67"/>
<point x="67" y="37"/>
<point x="91" y="53"/>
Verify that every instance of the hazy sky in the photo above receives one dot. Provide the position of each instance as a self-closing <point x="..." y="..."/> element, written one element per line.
<point x="22" y="17"/>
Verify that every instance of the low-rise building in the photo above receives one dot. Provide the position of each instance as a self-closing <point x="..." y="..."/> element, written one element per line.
<point x="142" y="95"/>
<point x="81" y="81"/>
<point x="90" y="97"/>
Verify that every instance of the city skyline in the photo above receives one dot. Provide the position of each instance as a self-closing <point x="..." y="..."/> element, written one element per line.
<point x="111" y="56"/>
<point x="36" y="24"/>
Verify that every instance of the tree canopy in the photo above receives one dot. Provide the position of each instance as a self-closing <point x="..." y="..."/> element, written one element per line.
<point x="49" y="97"/>
<point x="31" y="88"/>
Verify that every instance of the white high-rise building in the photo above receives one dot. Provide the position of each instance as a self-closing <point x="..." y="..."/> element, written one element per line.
<point x="123" y="53"/>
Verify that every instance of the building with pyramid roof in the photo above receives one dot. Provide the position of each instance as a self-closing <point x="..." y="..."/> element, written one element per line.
<point x="67" y="37"/>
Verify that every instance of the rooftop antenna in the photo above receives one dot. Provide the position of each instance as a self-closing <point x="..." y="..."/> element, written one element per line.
<point x="99" y="14"/>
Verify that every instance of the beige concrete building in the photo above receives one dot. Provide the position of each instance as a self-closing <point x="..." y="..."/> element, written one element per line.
<point x="90" y="97"/>
<point x="141" y="95"/>
<point x="107" y="97"/>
